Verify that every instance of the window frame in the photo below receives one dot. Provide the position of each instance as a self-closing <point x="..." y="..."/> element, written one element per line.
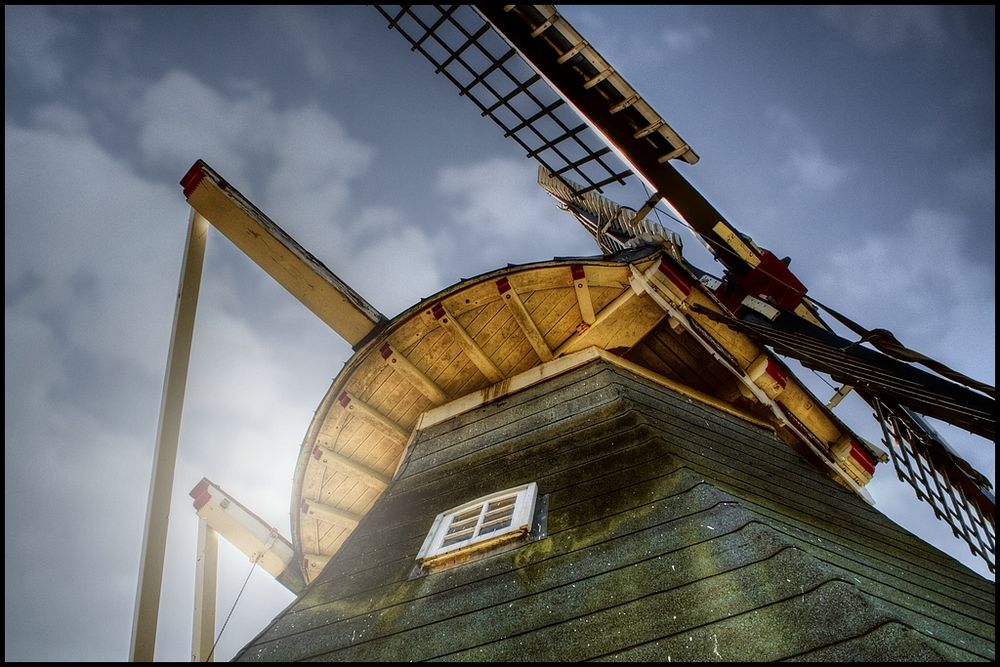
<point x="433" y="549"/>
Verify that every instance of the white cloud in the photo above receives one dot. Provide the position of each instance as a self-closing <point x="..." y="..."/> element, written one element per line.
<point x="91" y="255"/>
<point x="306" y="150"/>
<point x="181" y="119"/>
<point x="685" y="39"/>
<point x="316" y="41"/>
<point x="618" y="44"/>
<point x="30" y="37"/>
<point x="812" y="169"/>
<point x="920" y="281"/>
<point x="884" y="28"/>
<point x="94" y="255"/>
<point x="312" y="165"/>
<point x="806" y="166"/>
<point x="976" y="177"/>
<point x="60" y="119"/>
<point x="390" y="251"/>
<point x="498" y="202"/>
<point x="90" y="272"/>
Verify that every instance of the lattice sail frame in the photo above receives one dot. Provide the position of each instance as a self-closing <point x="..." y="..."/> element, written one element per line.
<point x="613" y="226"/>
<point x="464" y="48"/>
<point x="907" y="440"/>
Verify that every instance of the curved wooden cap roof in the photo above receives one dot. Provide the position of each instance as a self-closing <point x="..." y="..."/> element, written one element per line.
<point x="474" y="335"/>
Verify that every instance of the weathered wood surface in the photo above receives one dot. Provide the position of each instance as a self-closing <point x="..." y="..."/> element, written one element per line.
<point x="674" y="529"/>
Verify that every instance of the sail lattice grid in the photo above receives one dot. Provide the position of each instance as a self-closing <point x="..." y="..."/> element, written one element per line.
<point x="469" y="53"/>
<point x="526" y="96"/>
<point x="914" y="459"/>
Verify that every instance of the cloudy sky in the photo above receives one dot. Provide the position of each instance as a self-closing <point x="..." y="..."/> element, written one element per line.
<point x="859" y="141"/>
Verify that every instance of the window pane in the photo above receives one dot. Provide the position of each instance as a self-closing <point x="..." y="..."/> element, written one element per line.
<point x="468" y="514"/>
<point x="486" y="520"/>
<point x="501" y="503"/>
<point x="451" y="541"/>
<point x="494" y="513"/>
<point x="493" y="526"/>
<point x="461" y="525"/>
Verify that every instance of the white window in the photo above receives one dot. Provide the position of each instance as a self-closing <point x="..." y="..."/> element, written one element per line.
<point x="480" y="524"/>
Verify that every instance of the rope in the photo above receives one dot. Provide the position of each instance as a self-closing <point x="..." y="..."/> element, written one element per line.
<point x="884" y="341"/>
<point x="881" y="339"/>
<point x="824" y="380"/>
<point x="230" y="615"/>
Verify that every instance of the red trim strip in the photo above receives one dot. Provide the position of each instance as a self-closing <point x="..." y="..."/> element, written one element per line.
<point x="862" y="457"/>
<point x="192" y="178"/>
<point x="675" y="277"/>
<point x="774" y="370"/>
<point x="199" y="488"/>
<point x="200" y="493"/>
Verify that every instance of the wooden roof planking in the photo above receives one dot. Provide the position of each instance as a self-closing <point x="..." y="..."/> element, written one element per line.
<point x="498" y="333"/>
<point x="490" y="336"/>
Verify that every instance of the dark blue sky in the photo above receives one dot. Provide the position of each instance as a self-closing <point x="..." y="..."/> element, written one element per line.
<point x="859" y="141"/>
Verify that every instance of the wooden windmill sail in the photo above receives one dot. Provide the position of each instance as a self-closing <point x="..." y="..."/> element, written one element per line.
<point x="462" y="45"/>
<point x="606" y="456"/>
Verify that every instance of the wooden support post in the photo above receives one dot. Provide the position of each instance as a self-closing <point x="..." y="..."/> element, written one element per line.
<point x="306" y="278"/>
<point x="205" y="584"/>
<point x="154" y="539"/>
<point x="469" y="346"/>
<point x="582" y="289"/>
<point x="335" y="461"/>
<point x="523" y="318"/>
<point x="620" y="324"/>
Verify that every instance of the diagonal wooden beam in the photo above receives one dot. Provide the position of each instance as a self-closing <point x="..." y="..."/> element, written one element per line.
<point x="620" y="324"/>
<point x="523" y="318"/>
<point x="398" y="362"/>
<point x="355" y="406"/>
<point x="469" y="346"/>
<point x="267" y="244"/>
<point x="330" y="514"/>
<point x="341" y="463"/>
<point x="154" y="539"/>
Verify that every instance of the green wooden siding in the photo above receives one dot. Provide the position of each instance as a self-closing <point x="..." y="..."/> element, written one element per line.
<point x="673" y="530"/>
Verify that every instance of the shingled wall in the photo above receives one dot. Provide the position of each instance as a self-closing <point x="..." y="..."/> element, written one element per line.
<point x="674" y="531"/>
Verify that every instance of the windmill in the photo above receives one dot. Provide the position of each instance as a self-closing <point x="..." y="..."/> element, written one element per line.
<point x="640" y="311"/>
<point x="460" y="48"/>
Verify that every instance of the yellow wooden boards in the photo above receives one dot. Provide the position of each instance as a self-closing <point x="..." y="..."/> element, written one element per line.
<point x="260" y="239"/>
<point x="496" y="334"/>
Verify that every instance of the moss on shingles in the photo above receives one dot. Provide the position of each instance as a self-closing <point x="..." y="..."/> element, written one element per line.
<point x="674" y="530"/>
